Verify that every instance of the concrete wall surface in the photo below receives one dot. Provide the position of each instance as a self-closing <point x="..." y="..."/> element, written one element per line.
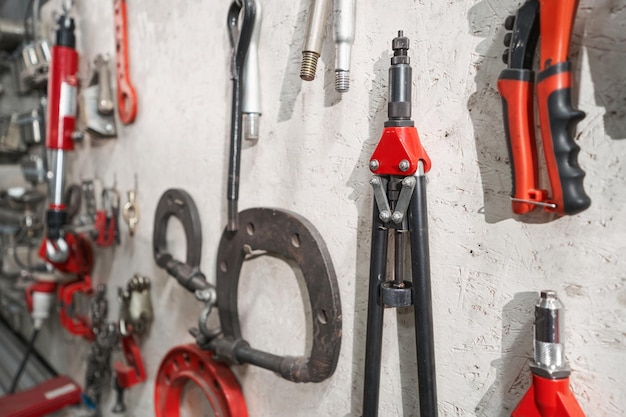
<point x="312" y="158"/>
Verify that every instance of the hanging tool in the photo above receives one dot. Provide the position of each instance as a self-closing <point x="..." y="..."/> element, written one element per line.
<point x="552" y="21"/>
<point x="126" y="95"/>
<point x="188" y="364"/>
<point x="97" y="101"/>
<point x="130" y="210"/>
<point x="550" y="394"/>
<point x="399" y="164"/>
<point x="240" y="42"/>
<point x="134" y="319"/>
<point x="251" y="87"/>
<point x="315" y="29"/>
<point x="42" y="400"/>
<point x="344" y="17"/>
<point x="61" y="120"/>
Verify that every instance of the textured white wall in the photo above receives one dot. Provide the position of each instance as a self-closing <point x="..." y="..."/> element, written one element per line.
<point x="312" y="159"/>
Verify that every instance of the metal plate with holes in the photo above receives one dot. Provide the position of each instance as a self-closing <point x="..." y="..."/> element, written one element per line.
<point x="294" y="239"/>
<point x="187" y="363"/>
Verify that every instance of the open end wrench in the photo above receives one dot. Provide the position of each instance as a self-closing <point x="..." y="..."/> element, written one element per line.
<point x="126" y="95"/>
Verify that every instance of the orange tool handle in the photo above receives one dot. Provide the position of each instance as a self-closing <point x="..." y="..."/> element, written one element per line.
<point x="557" y="116"/>
<point x="558" y="120"/>
<point x="126" y="95"/>
<point x="516" y="87"/>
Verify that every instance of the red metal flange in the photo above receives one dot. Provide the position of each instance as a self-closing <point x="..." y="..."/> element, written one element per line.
<point x="548" y="398"/>
<point x="188" y="363"/>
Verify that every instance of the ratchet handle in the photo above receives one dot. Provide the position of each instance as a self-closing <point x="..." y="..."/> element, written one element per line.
<point x="558" y="119"/>
<point x="516" y="87"/>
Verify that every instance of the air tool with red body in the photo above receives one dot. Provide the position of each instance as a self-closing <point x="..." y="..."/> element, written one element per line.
<point x="550" y="394"/>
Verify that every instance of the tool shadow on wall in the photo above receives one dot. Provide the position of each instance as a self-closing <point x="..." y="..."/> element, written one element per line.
<point x="605" y="42"/>
<point x="512" y="380"/>
<point x="485" y="108"/>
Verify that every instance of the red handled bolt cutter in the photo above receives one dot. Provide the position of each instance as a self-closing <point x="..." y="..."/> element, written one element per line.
<point x="553" y="21"/>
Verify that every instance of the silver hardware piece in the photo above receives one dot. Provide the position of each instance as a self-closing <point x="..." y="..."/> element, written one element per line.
<point x="98" y="104"/>
<point x="344" y="16"/>
<point x="31" y="66"/>
<point x="130" y="211"/>
<point x="33" y="169"/>
<point x="315" y="30"/>
<point x="57" y="251"/>
<point x="536" y="203"/>
<point x="136" y="311"/>
<point x="404" y="165"/>
<point x="408" y="185"/>
<point x="374" y="164"/>
<point x="379" y="185"/>
<point x="251" y="86"/>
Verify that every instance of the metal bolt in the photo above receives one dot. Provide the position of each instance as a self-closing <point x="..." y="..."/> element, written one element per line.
<point x="108" y="127"/>
<point x="384" y="216"/>
<point x="397" y="217"/>
<point x="374" y="164"/>
<point x="404" y="165"/>
<point x="374" y="181"/>
<point x="408" y="182"/>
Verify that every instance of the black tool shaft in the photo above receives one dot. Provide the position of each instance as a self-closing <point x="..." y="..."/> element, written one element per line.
<point x="374" y="338"/>
<point x="240" y="41"/>
<point x="424" y="334"/>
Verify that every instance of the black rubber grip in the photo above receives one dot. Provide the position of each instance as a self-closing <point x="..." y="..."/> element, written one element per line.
<point x="563" y="120"/>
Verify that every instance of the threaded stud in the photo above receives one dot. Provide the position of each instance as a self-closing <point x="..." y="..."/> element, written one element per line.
<point x="309" y="65"/>
<point x="342" y="81"/>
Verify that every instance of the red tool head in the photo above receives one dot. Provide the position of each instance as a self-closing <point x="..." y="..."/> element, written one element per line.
<point x="550" y="394"/>
<point x="79" y="258"/>
<point x="187" y="363"/>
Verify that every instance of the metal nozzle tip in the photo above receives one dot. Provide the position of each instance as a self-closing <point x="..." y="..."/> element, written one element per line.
<point x="342" y="81"/>
<point x="309" y="65"/>
<point x="548" y="294"/>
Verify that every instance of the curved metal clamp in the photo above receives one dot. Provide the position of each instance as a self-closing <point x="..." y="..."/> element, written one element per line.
<point x="179" y="204"/>
<point x="57" y="251"/>
<point x="294" y="239"/>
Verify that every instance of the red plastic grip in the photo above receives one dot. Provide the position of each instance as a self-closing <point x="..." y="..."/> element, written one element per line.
<point x="133" y="371"/>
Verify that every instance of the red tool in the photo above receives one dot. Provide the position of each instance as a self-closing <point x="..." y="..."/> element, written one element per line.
<point x="73" y="322"/>
<point x="187" y="363"/>
<point x="132" y="372"/>
<point x="60" y="123"/>
<point x="126" y="96"/>
<point x="549" y="395"/>
<point x="45" y="398"/>
<point x="553" y="21"/>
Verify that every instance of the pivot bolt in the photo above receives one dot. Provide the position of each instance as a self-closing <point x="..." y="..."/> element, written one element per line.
<point x="374" y="164"/>
<point x="404" y="165"/>
<point x="384" y="216"/>
<point x="397" y="217"/>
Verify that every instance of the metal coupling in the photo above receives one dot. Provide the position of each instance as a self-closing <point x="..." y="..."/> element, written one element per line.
<point x="344" y="16"/>
<point x="315" y="28"/>
<point x="400" y="80"/>
<point x="549" y="358"/>
<point x="251" y="100"/>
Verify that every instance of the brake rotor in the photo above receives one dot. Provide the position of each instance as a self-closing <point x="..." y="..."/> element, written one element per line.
<point x="188" y="363"/>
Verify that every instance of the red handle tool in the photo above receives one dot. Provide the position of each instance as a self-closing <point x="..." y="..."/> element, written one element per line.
<point x="126" y="95"/>
<point x="553" y="21"/>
